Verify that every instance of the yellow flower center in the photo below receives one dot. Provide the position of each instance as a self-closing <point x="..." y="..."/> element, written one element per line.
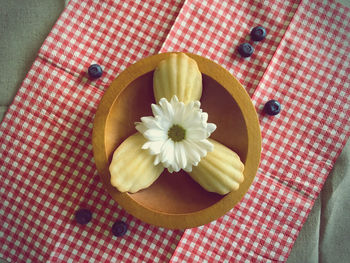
<point x="177" y="133"/>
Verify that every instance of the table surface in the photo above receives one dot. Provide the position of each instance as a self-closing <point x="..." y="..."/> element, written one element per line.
<point x="327" y="229"/>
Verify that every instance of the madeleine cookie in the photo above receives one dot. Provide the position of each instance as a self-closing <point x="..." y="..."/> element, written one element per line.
<point x="221" y="171"/>
<point x="132" y="168"/>
<point x="177" y="75"/>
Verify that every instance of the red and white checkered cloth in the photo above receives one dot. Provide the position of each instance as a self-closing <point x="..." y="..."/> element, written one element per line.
<point x="47" y="170"/>
<point x="46" y="160"/>
<point x="309" y="75"/>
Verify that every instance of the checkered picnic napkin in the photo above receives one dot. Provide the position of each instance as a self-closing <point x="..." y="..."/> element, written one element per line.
<point x="47" y="169"/>
<point x="306" y="68"/>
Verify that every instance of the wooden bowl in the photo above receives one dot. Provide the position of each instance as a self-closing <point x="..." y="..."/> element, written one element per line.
<point x="176" y="201"/>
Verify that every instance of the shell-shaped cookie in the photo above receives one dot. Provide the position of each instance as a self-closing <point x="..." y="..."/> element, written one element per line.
<point x="132" y="168"/>
<point x="221" y="171"/>
<point x="177" y="75"/>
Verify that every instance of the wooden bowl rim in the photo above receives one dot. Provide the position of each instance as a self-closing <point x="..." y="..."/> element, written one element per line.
<point x="158" y="218"/>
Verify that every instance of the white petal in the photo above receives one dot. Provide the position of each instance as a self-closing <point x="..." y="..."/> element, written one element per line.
<point x="166" y="108"/>
<point x="211" y="128"/>
<point x="156" y="160"/>
<point x="174" y="100"/>
<point x="197" y="104"/>
<point x="191" y="119"/>
<point x="188" y="168"/>
<point x="205" y="144"/>
<point x="140" y="127"/>
<point x="196" y="134"/>
<point x="155" y="135"/>
<point x="167" y="152"/>
<point x="179" y="115"/>
<point x="156" y="110"/>
<point x="170" y="169"/>
<point x="154" y="147"/>
<point x="198" y="148"/>
<point x="183" y="154"/>
<point x="146" y="145"/>
<point x="191" y="152"/>
<point x="162" y="123"/>
<point x="147" y="120"/>
<point x="204" y="117"/>
<point x="180" y="155"/>
<point x="151" y="123"/>
<point x="176" y="168"/>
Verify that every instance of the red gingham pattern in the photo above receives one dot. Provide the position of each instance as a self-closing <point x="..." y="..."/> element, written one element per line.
<point x="111" y="33"/>
<point x="46" y="160"/>
<point x="47" y="167"/>
<point x="309" y="75"/>
<point x="215" y="29"/>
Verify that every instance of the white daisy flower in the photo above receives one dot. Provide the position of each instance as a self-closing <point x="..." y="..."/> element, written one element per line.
<point x="177" y="134"/>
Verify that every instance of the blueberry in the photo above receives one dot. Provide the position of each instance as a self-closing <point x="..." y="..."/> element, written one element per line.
<point x="95" y="71"/>
<point x="258" y="33"/>
<point x="119" y="228"/>
<point x="83" y="216"/>
<point x="272" y="107"/>
<point x="245" y="50"/>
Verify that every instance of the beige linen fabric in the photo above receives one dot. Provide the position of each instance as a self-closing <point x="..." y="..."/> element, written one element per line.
<point x="325" y="237"/>
<point x="24" y="26"/>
